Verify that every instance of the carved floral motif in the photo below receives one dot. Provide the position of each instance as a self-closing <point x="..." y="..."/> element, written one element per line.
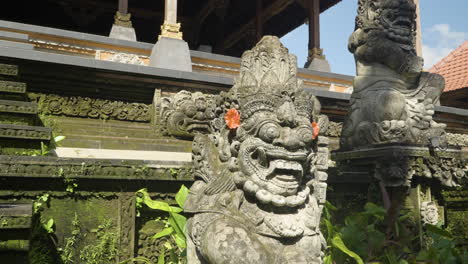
<point x="78" y="106"/>
<point x="429" y="213"/>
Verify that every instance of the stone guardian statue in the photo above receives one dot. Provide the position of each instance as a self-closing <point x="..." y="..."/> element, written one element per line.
<point x="393" y="99"/>
<point x="259" y="168"/>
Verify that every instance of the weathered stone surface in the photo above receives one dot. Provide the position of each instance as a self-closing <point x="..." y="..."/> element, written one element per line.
<point x="393" y="100"/>
<point x="9" y="106"/>
<point x="78" y="106"/>
<point x="12" y="87"/>
<point x="186" y="113"/>
<point x="25" y="132"/>
<point x="6" y="69"/>
<point x="397" y="164"/>
<point x="52" y="167"/>
<point x="259" y="165"/>
<point x="169" y="53"/>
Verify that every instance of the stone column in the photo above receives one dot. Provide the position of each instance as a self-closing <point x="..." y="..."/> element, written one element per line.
<point x="122" y="28"/>
<point x="259" y="21"/>
<point x="315" y="60"/>
<point x="418" y="30"/>
<point x="171" y="51"/>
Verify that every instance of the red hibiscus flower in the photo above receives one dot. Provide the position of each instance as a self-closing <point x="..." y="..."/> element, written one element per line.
<point x="315" y="130"/>
<point x="232" y="118"/>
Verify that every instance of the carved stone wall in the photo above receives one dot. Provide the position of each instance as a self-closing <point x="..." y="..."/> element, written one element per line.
<point x="77" y="106"/>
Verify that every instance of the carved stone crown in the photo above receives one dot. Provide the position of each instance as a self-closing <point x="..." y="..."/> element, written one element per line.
<point x="267" y="77"/>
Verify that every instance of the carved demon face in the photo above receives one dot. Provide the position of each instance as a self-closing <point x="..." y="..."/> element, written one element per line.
<point x="398" y="18"/>
<point x="385" y="34"/>
<point x="274" y="150"/>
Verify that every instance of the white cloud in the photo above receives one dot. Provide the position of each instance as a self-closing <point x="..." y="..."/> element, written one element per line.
<point x="439" y="41"/>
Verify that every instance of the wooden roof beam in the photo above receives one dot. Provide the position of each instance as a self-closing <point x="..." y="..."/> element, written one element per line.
<point x="268" y="13"/>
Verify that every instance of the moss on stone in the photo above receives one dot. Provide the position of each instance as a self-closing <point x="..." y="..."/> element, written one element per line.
<point x="42" y="248"/>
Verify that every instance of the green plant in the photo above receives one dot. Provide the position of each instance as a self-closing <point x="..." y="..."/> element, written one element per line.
<point x="362" y="240"/>
<point x="173" y="172"/>
<point x="175" y="224"/>
<point x="45" y="149"/>
<point x="104" y="250"/>
<point x="67" y="253"/>
<point x="40" y="202"/>
<point x="49" y="226"/>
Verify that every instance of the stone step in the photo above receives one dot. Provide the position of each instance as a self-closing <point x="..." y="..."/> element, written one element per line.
<point x="12" y="87"/>
<point x="8" y="70"/>
<point x="15" y="226"/>
<point x="10" y="106"/>
<point x="25" y="132"/>
<point x="15" y="216"/>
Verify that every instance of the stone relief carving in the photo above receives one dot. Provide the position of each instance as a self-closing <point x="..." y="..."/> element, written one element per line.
<point x="18" y="107"/>
<point x="78" y="106"/>
<point x="400" y="169"/>
<point x="185" y="114"/>
<point x="259" y="165"/>
<point x="393" y="100"/>
<point x="12" y="87"/>
<point x="121" y="57"/>
<point x="6" y="69"/>
<point x="25" y="132"/>
<point x="21" y="166"/>
<point x="429" y="213"/>
<point x="457" y="139"/>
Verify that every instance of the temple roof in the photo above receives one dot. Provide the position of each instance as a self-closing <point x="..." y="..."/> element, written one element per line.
<point x="454" y="68"/>
<point x="201" y="20"/>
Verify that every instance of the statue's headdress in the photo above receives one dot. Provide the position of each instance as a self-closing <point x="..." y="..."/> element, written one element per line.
<point x="267" y="77"/>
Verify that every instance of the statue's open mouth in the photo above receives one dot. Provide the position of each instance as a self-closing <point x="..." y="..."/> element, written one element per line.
<point x="398" y="24"/>
<point x="196" y="125"/>
<point x="279" y="167"/>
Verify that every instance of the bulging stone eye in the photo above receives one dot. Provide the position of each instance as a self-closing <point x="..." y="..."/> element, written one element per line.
<point x="269" y="131"/>
<point x="305" y="134"/>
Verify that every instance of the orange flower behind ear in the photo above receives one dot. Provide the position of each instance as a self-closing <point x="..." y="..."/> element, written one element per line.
<point x="315" y="130"/>
<point x="232" y="118"/>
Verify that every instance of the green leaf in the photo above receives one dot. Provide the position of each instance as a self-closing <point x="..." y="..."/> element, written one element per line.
<point x="49" y="226"/>
<point x="181" y="195"/>
<point x="178" y="222"/>
<point x="162" y="256"/>
<point x="437" y="230"/>
<point x="375" y="211"/>
<point x="59" y="138"/>
<point x="338" y="243"/>
<point x="330" y="206"/>
<point x="163" y="233"/>
<point x="180" y="241"/>
<point x="327" y="260"/>
<point x="157" y="205"/>
<point x="330" y="228"/>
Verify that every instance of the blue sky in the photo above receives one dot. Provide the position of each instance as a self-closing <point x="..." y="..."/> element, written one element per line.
<point x="444" y="27"/>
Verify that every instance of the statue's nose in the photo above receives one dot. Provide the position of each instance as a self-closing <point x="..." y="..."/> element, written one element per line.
<point x="288" y="139"/>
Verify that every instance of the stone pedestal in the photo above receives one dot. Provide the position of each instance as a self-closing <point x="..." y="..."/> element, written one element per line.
<point x="171" y="53"/>
<point x="410" y="176"/>
<point x="318" y="65"/>
<point x="121" y="32"/>
<point x="316" y="61"/>
<point x="122" y="27"/>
